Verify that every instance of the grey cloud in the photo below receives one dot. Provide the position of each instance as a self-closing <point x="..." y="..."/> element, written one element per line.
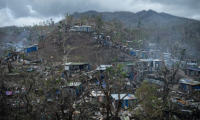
<point x="177" y="2"/>
<point x="2" y="4"/>
<point x="60" y="7"/>
<point x="47" y="8"/>
<point x="183" y="7"/>
<point x="54" y="8"/>
<point x="18" y="7"/>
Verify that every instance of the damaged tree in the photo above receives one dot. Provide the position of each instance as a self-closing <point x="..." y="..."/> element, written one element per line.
<point x="97" y="19"/>
<point x="168" y="79"/>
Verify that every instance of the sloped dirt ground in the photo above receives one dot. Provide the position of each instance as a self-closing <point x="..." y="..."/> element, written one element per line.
<point x="85" y="50"/>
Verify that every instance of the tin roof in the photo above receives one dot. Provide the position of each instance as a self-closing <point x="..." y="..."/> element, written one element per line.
<point x="133" y="63"/>
<point x="129" y="96"/>
<point x="191" y="63"/>
<point x="130" y="48"/>
<point x="74" y="63"/>
<point x="97" y="93"/>
<point x="74" y="84"/>
<point x="193" y="69"/>
<point x="103" y="67"/>
<point x="189" y="81"/>
<point x="82" y="26"/>
<point x="156" y="60"/>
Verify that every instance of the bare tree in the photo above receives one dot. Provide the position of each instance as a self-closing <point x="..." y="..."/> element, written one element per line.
<point x="98" y="24"/>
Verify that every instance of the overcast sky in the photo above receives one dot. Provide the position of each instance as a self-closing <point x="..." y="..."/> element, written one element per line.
<point x="27" y="12"/>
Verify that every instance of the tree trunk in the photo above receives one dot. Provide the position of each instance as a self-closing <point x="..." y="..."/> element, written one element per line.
<point x="9" y="67"/>
<point x="107" y="107"/>
<point x="1" y="76"/>
<point x="70" y="115"/>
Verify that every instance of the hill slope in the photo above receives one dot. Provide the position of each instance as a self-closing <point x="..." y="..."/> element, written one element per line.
<point x="145" y="17"/>
<point x="84" y="50"/>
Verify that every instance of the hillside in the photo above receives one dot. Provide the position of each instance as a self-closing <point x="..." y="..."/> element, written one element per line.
<point x="145" y="17"/>
<point x="84" y="50"/>
<point x="171" y="33"/>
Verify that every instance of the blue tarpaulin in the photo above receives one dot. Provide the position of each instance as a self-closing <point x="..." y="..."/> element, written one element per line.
<point x="132" y="53"/>
<point x="104" y="85"/>
<point x="131" y="76"/>
<point x="197" y="87"/>
<point x="9" y="54"/>
<point x="102" y="77"/>
<point x="126" y="103"/>
<point x="57" y="91"/>
<point x="28" y="50"/>
<point x="143" y="55"/>
<point x="31" y="49"/>
<point x="97" y="83"/>
<point x="63" y="75"/>
<point x="30" y="70"/>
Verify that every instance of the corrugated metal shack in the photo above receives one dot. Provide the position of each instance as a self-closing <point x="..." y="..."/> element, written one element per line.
<point x="96" y="96"/>
<point x="143" y="54"/>
<point x="82" y="28"/>
<point x="189" y="85"/>
<point x="155" y="54"/>
<point x="107" y="41"/>
<point x="73" y="88"/>
<point x="192" y="72"/>
<point x="129" y="100"/>
<point x="31" y="48"/>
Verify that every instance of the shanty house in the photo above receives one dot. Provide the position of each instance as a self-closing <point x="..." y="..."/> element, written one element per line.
<point x="142" y="54"/>
<point x="189" y="85"/>
<point x="120" y="47"/>
<point x="72" y="89"/>
<point x="167" y="56"/>
<point x="107" y="41"/>
<point x="157" y="64"/>
<point x="127" y="51"/>
<point x="31" y="48"/>
<point x="129" y="66"/>
<point x="82" y="28"/>
<point x="133" y="52"/>
<point x="194" y="73"/>
<point x="155" y="54"/>
<point x="94" y="35"/>
<point x="137" y="53"/>
<point x="128" y="101"/>
<point x="192" y="65"/>
<point x="149" y="64"/>
<point x="130" y="50"/>
<point x="97" y="97"/>
<point x="102" y="68"/>
<point x="75" y="66"/>
<point x="101" y="36"/>
<point x="124" y="49"/>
